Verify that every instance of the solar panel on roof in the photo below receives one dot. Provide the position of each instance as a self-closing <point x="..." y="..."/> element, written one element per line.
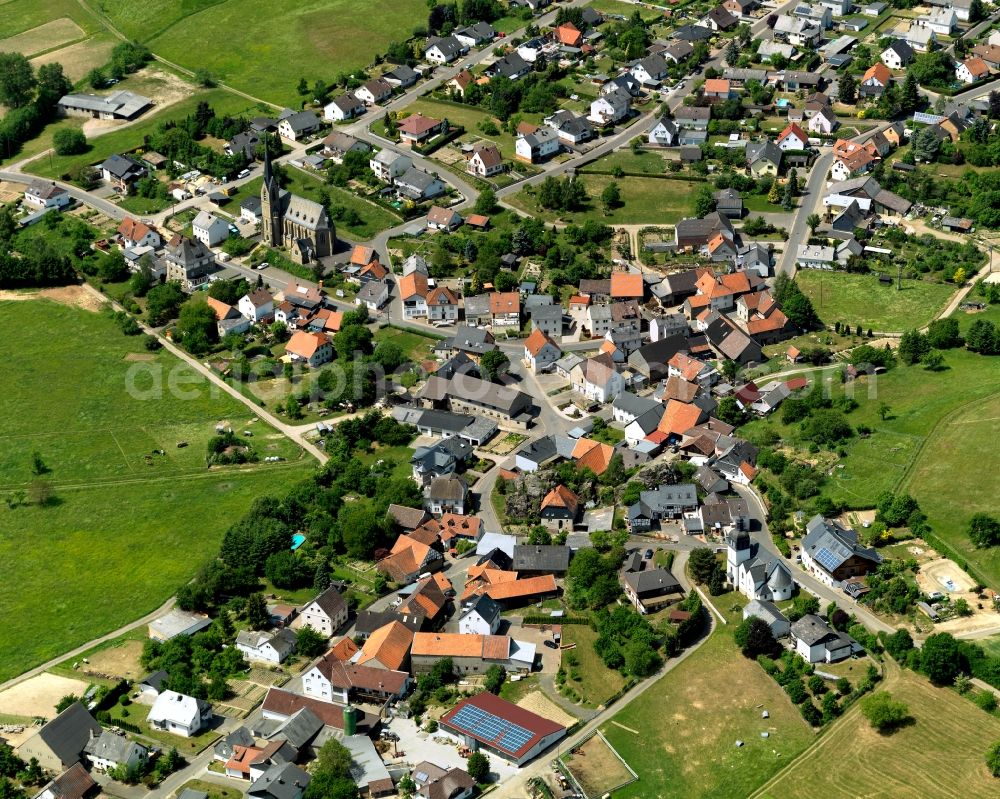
<point x="827" y="559"/>
<point x="498" y="731"/>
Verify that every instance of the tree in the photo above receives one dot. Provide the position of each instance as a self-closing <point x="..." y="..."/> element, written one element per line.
<point x="162" y="302"/>
<point x="17" y="80"/>
<point x="65" y="702"/>
<point x="939" y="658"/>
<point x="303" y="87"/>
<point x="910" y="100"/>
<point x="494" y="679"/>
<point x="69" y="141"/>
<point x="611" y="197"/>
<point x="925" y="144"/>
<point x="813" y="221"/>
<point x="478" y="766"/>
<point x="984" y="530"/>
<point x="884" y="713"/>
<point x="754" y="637"/>
<point x="38" y="466"/>
<point x="197" y="326"/>
<point x="486" y="202"/>
<point x="309" y="643"/>
<point x="704" y="201"/>
<point x="883" y="411"/>
<point x="493" y="364"/>
<point x="256" y="611"/>
<point x="406" y="786"/>
<point x="732" y="53"/>
<point x="703" y="564"/>
<point x="933" y="361"/>
<point x="913" y="346"/>
<point x="848" y="88"/>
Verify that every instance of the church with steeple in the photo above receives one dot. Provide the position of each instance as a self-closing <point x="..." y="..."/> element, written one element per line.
<point x="301" y="226"/>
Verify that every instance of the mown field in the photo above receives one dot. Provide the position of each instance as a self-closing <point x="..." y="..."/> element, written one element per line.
<point x="120" y="533"/>
<point x="687" y="724"/>
<point x="262" y="47"/>
<point x="644" y="201"/>
<point x="862" y="300"/>
<point x="940" y="755"/>
<point x="18" y="16"/>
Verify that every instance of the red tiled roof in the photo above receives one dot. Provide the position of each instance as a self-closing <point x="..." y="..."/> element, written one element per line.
<point x="538" y="726"/>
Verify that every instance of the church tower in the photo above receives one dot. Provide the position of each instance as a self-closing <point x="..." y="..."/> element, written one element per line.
<point x="737" y="552"/>
<point x="270" y="203"/>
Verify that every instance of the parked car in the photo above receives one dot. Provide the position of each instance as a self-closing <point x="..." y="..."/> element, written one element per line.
<point x="551" y="644"/>
<point x="648" y="555"/>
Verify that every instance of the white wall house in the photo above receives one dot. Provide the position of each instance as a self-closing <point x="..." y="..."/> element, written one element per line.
<point x="209" y="229"/>
<point x="179" y="714"/>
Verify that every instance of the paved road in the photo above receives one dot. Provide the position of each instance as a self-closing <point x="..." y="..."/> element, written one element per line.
<point x="812" y="200"/>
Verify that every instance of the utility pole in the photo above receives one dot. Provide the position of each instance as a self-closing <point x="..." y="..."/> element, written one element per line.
<point x="899" y="277"/>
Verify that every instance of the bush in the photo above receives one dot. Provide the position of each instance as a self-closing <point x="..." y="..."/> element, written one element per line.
<point x="987" y="700"/>
<point x="69" y="141"/>
<point x="884" y="713"/>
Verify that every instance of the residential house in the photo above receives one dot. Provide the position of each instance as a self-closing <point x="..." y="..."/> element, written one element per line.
<point x="138" y="234"/>
<point x="537" y="146"/>
<point x="442" y="305"/>
<point x="610" y="109"/>
<point x="650" y="589"/>
<point x="485" y="161"/>
<point x="567" y="35"/>
<point x="851" y="158"/>
<point x="664" y="502"/>
<point x="533" y="560"/>
<point x="624" y="82"/>
<point x="990" y="53"/>
<point x="435" y="782"/>
<point x="417" y="129"/>
<point x="268" y="646"/>
<point x="597" y="379"/>
<point x="75" y="783"/>
<point x="439" y="218"/>
<point x="280" y="781"/>
<point x="42" y="194"/>
<point x="476" y="34"/>
<point x="373" y="295"/>
<point x="333" y="680"/>
<point x="471" y="653"/>
<point x="547" y="317"/>
<point x="373" y="92"/>
<point x="61" y="742"/>
<point x="179" y="714"/>
<point x="721" y="19"/>
<point x="875" y="80"/>
<point x="346" y="106"/>
<point x="540" y="351"/>
<point x="559" y="509"/>
<point x="444" y="50"/>
<point x="663" y="133"/>
<point x="209" y="229"/>
<point x="823" y="122"/>
<point x="109" y="751"/>
<point x="298" y="125"/>
<point x="972" y="70"/>
<point x="122" y="172"/>
<point x="768" y="612"/>
<point x="313" y="348"/>
<point x="650" y="71"/>
<point x="740" y="8"/>
<point x="465" y="393"/>
<point x="897" y="55"/>
<point x="512" y="66"/>
<point x="571" y="128"/>
<point x="817" y="642"/>
<point x="819" y="14"/>
<point x="388" y="165"/>
<point x="797" y="31"/>
<point x="480" y="617"/>
<point x="728" y="203"/>
<point x="941" y="21"/>
<point x="832" y="554"/>
<point x="920" y="38"/>
<point x="326" y="614"/>
<point x="715" y="89"/>
<point x="188" y="262"/>
<point x="415" y="184"/>
<point x="387" y="648"/>
<point x="460" y="83"/>
<point x="401" y="77"/>
<point x="676" y="52"/>
<point x="505" y="308"/>
<point x="763" y="158"/>
<point x="446" y="495"/>
<point x="793" y="138"/>
<point x="473" y="342"/>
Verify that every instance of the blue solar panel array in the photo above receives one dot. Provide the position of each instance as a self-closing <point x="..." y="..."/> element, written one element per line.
<point x="498" y="731"/>
<point x="828" y="560"/>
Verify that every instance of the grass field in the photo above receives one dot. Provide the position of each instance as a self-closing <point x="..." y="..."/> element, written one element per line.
<point x="127" y="138"/>
<point x="688" y="724"/>
<point x="644" y="162"/>
<point x="121" y="533"/>
<point x="261" y="47"/>
<point x="940" y="755"/>
<point x="861" y="300"/>
<point x="469" y="117"/>
<point x="18" y="16"/>
<point x="597" y="683"/>
<point x="948" y="480"/>
<point x="645" y="201"/>
<point x="415" y="346"/>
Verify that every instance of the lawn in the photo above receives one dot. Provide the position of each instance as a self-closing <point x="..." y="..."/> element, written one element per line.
<point x="188" y="747"/>
<point x="597" y="683"/>
<point x="94" y="416"/>
<point x="940" y="755"/>
<point x="862" y="300"/>
<point x="645" y="201"/>
<point x="644" y="162"/>
<point x="213" y="789"/>
<point x="415" y="346"/>
<point x="262" y="47"/>
<point x="374" y="218"/>
<point x="469" y="117"/>
<point x="619" y="8"/>
<point x="127" y="138"/>
<point x="686" y="727"/>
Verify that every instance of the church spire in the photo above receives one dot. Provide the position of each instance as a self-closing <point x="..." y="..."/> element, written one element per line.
<point x="267" y="160"/>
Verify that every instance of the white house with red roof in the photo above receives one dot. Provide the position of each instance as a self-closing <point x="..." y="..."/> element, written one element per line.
<point x="313" y="348"/>
<point x="138" y="234"/>
<point x="793" y="138"/>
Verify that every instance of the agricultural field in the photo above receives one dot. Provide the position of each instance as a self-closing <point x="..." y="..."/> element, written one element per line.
<point x="862" y="300"/>
<point x="261" y="47"/>
<point x="645" y="201"/>
<point x="941" y="754"/>
<point x="680" y="736"/>
<point x="87" y="401"/>
<point x="44" y="17"/>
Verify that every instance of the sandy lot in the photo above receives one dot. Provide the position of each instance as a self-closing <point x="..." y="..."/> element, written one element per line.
<point x="139" y="357"/>
<point x="44" y="37"/>
<point x="597" y="768"/>
<point x="78" y="59"/>
<point x="161" y="87"/>
<point x="11" y="192"/>
<point x="118" y="661"/>
<point x="857" y="518"/>
<point x="944" y="575"/>
<point x="39" y="695"/>
<point x="75" y="296"/>
<point x="539" y="703"/>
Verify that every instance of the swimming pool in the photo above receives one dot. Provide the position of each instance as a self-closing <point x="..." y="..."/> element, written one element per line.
<point x="297" y="540"/>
